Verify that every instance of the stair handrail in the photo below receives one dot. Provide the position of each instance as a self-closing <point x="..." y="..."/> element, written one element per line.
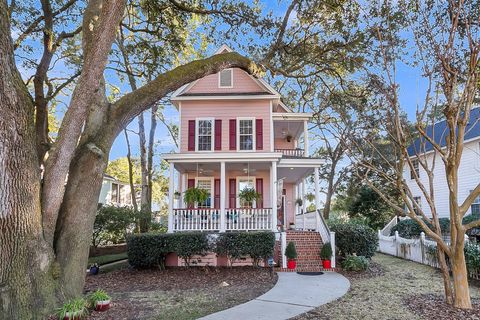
<point x="323" y="228"/>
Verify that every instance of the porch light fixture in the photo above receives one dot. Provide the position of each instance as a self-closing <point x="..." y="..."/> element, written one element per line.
<point x="291" y="168"/>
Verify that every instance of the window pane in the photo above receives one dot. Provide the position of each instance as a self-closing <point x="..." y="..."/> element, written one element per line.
<point x="475" y="208"/>
<point x="246" y="134"/>
<point x="246" y="143"/>
<point x="205" y="135"/>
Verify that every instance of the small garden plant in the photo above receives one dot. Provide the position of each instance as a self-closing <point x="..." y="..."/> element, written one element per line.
<point x="99" y="300"/>
<point x="355" y="263"/>
<point x="73" y="309"/>
<point x="291" y="251"/>
<point x="195" y="195"/>
<point x="326" y="251"/>
<point x="249" y="195"/>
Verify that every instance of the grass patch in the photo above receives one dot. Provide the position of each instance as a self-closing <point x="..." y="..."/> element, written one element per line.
<point x="109" y="258"/>
<point x="383" y="296"/>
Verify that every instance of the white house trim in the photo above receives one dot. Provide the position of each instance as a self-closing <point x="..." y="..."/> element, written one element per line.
<point x="227" y="156"/>
<point x="235" y="97"/>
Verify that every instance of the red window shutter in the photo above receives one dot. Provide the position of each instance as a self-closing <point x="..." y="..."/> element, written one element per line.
<point x="218" y="134"/>
<point x="259" y="189"/>
<point x="190" y="184"/>
<point x="259" y="133"/>
<point x="191" y="135"/>
<point x="233" y="134"/>
<point x="232" y="196"/>
<point x="216" y="191"/>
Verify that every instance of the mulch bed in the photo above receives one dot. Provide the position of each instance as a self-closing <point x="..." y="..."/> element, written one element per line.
<point x="434" y="307"/>
<point x="140" y="294"/>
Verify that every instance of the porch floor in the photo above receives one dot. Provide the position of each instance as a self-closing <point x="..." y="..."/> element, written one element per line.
<point x="293" y="294"/>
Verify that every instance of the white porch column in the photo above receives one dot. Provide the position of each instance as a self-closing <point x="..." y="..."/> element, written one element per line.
<point x="295" y="201"/>
<point x="305" y="138"/>
<point x="223" y="193"/>
<point x="317" y="193"/>
<point x="182" y="190"/>
<point x="273" y="180"/>
<point x="171" y="191"/>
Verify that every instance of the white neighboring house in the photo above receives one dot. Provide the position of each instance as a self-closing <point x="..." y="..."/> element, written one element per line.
<point x="115" y="192"/>
<point x="468" y="172"/>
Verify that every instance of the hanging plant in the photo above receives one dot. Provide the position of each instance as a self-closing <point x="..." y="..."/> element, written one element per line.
<point x="249" y="195"/>
<point x="195" y="195"/>
<point x="289" y="138"/>
<point x="299" y="202"/>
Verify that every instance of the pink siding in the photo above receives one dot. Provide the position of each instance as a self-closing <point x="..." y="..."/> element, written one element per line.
<point x="225" y="110"/>
<point x="282" y="143"/>
<point x="242" y="82"/>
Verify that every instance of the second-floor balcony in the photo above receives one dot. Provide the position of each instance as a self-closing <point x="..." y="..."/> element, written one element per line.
<point x="292" y="153"/>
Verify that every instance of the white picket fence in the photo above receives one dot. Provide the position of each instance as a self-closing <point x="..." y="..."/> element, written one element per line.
<point x="420" y="250"/>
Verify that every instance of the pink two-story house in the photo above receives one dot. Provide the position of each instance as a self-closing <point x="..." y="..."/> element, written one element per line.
<point x="235" y="132"/>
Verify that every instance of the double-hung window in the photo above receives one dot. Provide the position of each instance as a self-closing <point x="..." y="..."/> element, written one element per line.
<point x="205" y="134"/>
<point x="414" y="169"/>
<point x="246" y="133"/>
<point x="245" y="183"/>
<point x="475" y="207"/>
<point x="206" y="184"/>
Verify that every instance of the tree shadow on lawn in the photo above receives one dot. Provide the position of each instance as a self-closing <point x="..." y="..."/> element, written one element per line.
<point x="178" y="293"/>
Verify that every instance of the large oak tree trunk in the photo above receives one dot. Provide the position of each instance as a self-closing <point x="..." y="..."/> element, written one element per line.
<point x="26" y="275"/>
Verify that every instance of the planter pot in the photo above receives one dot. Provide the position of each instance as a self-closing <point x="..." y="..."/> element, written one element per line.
<point x="327" y="264"/>
<point x="102" y="305"/>
<point x="291" y="264"/>
<point x="72" y="316"/>
<point x="292" y="226"/>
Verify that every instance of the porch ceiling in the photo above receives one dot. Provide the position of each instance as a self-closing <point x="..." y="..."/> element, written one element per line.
<point x="210" y="167"/>
<point x="282" y="128"/>
<point x="293" y="174"/>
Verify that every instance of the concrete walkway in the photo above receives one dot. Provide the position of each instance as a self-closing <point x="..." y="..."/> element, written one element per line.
<point x="292" y="295"/>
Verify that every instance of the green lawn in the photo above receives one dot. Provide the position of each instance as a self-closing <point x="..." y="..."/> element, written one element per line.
<point x="382" y="296"/>
<point x="107" y="258"/>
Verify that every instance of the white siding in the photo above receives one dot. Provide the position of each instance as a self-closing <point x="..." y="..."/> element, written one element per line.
<point x="469" y="177"/>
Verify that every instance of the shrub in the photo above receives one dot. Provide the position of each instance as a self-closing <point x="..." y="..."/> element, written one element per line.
<point x="111" y="225"/>
<point x="355" y="239"/>
<point x="326" y="252"/>
<point x="188" y="244"/>
<point x="355" y="263"/>
<point x="256" y="245"/>
<point x="149" y="249"/>
<point x="410" y="228"/>
<point x="472" y="256"/>
<point x="291" y="251"/>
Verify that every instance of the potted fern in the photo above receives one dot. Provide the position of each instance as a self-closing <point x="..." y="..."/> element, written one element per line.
<point x="299" y="202"/>
<point x="248" y="196"/>
<point x="326" y="254"/>
<point x="74" y="309"/>
<point x="99" y="300"/>
<point x="195" y="195"/>
<point x="291" y="253"/>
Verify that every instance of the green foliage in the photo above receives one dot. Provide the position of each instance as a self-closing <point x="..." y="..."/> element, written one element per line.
<point x="470" y="218"/>
<point x="291" y="251"/>
<point x="370" y="207"/>
<point x="109" y="258"/>
<point x="355" y="263"/>
<point x="326" y="251"/>
<point x="195" y="195"/>
<point x="472" y="257"/>
<point x="299" y="202"/>
<point x="98" y="295"/>
<point x="256" y="245"/>
<point x="410" y="228"/>
<point x="355" y="239"/>
<point x="111" y="225"/>
<point x="77" y="306"/>
<point x="149" y="249"/>
<point x="249" y="195"/>
<point x="188" y="244"/>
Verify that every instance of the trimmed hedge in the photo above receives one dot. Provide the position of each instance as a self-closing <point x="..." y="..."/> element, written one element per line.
<point x="353" y="239"/>
<point x="150" y="249"/>
<point x="410" y="228"/>
<point x="256" y="245"/>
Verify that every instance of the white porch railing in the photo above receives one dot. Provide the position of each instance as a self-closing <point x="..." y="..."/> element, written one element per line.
<point x="306" y="221"/>
<point x="196" y="219"/>
<point x="206" y="219"/>
<point x="248" y="219"/>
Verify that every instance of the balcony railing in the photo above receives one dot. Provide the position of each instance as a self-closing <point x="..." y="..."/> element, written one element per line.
<point x="206" y="219"/>
<point x="293" y="153"/>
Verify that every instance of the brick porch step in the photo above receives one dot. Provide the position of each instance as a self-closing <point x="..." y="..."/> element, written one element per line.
<point x="306" y="270"/>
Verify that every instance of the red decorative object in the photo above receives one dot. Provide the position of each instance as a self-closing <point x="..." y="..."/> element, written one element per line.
<point x="102" y="305"/>
<point x="291" y="264"/>
<point x="327" y="264"/>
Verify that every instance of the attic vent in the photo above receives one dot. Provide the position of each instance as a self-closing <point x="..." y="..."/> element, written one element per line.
<point x="225" y="78"/>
